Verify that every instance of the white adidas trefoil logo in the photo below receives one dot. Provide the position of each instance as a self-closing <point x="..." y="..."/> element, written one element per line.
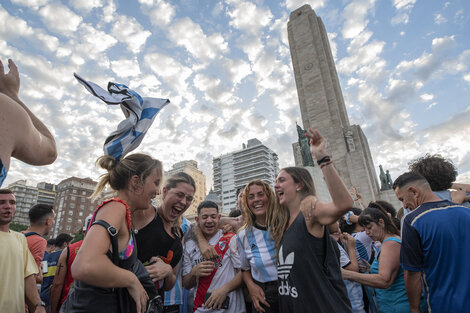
<point x="283" y="271"/>
<point x="285" y="265"/>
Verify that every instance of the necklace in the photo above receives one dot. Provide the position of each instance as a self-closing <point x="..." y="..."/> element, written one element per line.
<point x="261" y="225"/>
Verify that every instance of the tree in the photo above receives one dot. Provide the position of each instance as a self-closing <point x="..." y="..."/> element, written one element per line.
<point x="77" y="236"/>
<point x="17" y="226"/>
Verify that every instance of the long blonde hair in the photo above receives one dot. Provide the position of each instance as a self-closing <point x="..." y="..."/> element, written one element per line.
<point x="272" y="214"/>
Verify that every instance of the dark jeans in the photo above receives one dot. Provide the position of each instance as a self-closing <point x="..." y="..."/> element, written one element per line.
<point x="271" y="294"/>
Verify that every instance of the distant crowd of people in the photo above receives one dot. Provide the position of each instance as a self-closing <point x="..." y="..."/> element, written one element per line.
<point x="281" y="250"/>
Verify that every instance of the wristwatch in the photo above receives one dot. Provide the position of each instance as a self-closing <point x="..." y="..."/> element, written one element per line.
<point x="40" y="303"/>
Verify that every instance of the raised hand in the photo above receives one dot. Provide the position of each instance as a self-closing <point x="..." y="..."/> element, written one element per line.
<point x="317" y="143"/>
<point x="10" y="82"/>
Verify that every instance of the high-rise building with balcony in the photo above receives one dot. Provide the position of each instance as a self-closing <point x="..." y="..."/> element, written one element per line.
<point x="190" y="167"/>
<point x="73" y="204"/>
<point x="46" y="193"/>
<point x="236" y="169"/>
<point x="26" y="197"/>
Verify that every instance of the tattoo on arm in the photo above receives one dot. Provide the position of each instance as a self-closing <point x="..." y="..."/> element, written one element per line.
<point x="58" y="269"/>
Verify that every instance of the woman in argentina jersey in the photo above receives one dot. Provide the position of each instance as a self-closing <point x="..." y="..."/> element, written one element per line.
<point x="257" y="248"/>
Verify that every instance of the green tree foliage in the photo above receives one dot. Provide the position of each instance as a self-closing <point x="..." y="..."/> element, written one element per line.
<point x="18" y="227"/>
<point x="77" y="236"/>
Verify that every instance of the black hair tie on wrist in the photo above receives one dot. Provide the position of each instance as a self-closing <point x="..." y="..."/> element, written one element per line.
<point x="325" y="159"/>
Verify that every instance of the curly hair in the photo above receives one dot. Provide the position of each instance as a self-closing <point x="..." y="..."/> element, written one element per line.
<point x="438" y="171"/>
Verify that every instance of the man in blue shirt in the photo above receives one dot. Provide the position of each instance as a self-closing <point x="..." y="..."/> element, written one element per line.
<point x="62" y="241"/>
<point x="435" y="241"/>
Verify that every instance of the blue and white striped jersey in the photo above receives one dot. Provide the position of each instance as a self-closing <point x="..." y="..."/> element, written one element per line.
<point x="258" y="253"/>
<point x="363" y="245"/>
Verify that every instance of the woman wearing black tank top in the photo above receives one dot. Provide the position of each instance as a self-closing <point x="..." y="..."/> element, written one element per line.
<point x="308" y="266"/>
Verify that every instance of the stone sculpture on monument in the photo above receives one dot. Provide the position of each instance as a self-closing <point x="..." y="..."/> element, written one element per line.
<point x="383" y="179"/>
<point x="304" y="145"/>
<point x="386" y="181"/>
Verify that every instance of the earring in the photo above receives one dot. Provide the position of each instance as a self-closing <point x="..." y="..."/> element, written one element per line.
<point x="297" y="190"/>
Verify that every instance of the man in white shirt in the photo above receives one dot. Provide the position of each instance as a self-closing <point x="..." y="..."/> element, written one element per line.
<point x="217" y="280"/>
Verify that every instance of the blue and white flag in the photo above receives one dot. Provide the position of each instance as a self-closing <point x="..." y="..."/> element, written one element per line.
<point x="139" y="112"/>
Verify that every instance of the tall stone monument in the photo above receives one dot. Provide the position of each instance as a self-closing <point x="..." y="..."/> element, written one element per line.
<point x="322" y="104"/>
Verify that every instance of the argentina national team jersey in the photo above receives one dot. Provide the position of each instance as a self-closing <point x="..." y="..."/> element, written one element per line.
<point x="258" y="253"/>
<point x="435" y="241"/>
<point x="363" y="245"/>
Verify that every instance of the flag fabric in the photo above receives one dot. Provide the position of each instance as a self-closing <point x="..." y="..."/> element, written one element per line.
<point x="139" y="111"/>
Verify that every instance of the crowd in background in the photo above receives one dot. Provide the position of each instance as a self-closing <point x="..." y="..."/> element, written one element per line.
<point x="282" y="250"/>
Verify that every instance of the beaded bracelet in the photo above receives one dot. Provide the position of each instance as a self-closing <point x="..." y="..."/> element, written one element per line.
<point x="325" y="164"/>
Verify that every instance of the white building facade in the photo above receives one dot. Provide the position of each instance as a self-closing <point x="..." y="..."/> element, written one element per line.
<point x="236" y="169"/>
<point x="26" y="197"/>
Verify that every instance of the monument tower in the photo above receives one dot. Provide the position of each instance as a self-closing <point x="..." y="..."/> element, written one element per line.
<point x="322" y="104"/>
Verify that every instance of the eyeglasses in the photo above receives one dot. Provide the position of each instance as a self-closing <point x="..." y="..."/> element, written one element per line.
<point x="181" y="195"/>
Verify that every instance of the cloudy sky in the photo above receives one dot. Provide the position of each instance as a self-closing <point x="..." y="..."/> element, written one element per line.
<point x="404" y="67"/>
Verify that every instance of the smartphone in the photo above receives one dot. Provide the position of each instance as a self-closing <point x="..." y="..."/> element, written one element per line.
<point x="225" y="304"/>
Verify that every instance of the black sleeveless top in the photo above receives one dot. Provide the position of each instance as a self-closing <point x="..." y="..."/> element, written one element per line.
<point x="153" y="240"/>
<point x="309" y="272"/>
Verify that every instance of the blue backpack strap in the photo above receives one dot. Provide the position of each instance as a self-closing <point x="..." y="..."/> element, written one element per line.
<point x="113" y="236"/>
<point x="31" y="233"/>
